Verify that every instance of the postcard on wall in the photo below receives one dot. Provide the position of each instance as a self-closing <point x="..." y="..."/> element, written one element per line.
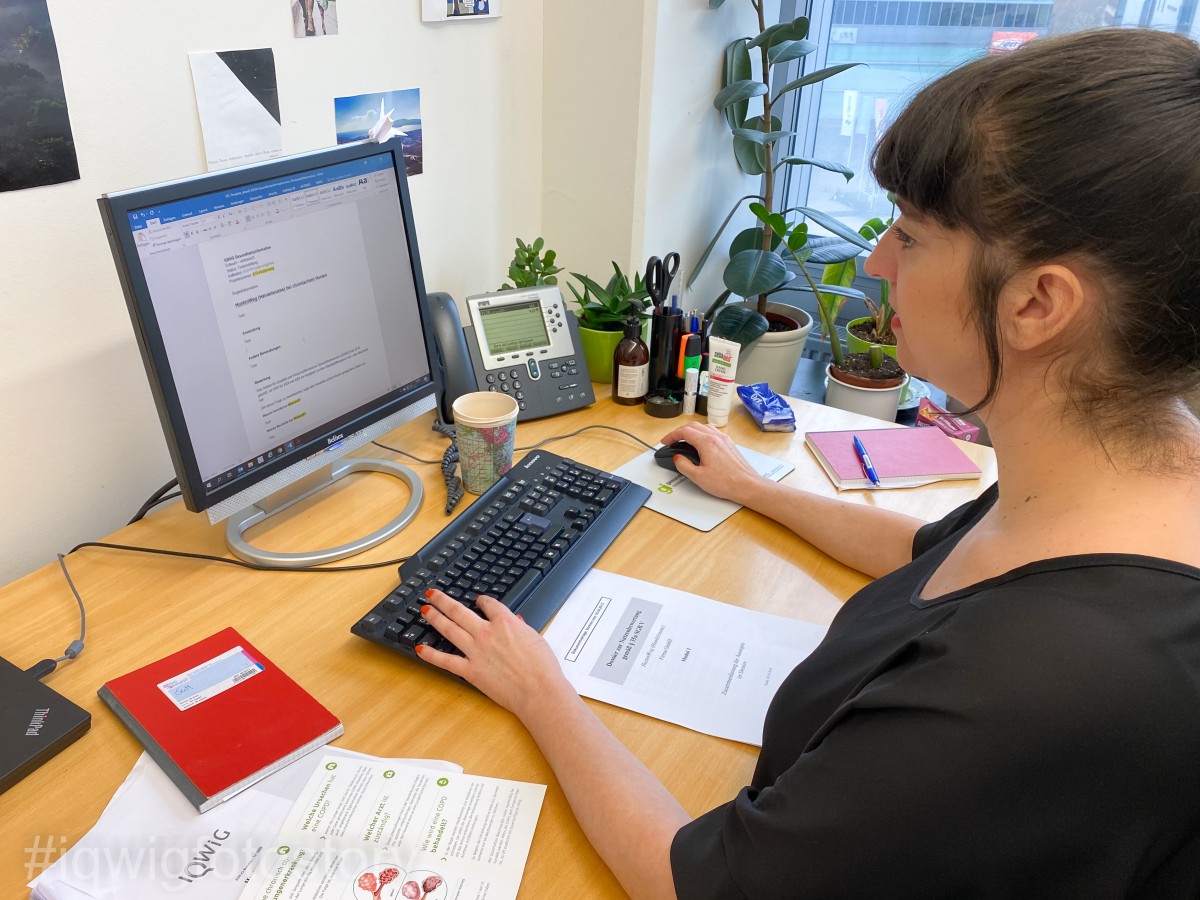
<point x="238" y="101"/>
<point x="396" y="115"/>
<point x="35" y="131"/>
<point x="460" y="10"/>
<point x="314" y="18"/>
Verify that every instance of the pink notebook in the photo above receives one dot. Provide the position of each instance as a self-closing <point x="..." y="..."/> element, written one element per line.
<point x="903" y="457"/>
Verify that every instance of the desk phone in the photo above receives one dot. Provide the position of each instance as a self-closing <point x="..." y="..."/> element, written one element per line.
<point x="522" y="342"/>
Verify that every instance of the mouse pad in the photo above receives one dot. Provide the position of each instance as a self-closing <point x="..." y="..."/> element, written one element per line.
<point x="673" y="495"/>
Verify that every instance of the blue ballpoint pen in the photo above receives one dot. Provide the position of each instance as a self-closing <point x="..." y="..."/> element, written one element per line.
<point x="865" y="460"/>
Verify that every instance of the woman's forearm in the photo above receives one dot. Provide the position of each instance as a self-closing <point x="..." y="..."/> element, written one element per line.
<point x="874" y="541"/>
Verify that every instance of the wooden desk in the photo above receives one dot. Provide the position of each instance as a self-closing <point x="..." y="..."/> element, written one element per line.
<point x="141" y="607"/>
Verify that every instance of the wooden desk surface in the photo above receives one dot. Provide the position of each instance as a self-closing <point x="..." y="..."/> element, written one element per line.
<point x="141" y="607"/>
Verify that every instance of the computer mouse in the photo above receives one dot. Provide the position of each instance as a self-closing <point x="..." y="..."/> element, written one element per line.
<point x="665" y="456"/>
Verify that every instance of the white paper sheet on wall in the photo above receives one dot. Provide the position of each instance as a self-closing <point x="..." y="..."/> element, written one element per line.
<point x="237" y="97"/>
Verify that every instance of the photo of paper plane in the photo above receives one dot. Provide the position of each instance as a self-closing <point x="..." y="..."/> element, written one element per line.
<point x="392" y="115"/>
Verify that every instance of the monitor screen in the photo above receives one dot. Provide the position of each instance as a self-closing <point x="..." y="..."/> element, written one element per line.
<point x="278" y="309"/>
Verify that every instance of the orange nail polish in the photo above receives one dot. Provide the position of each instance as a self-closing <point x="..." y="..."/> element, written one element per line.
<point x="429" y="593"/>
<point x="419" y="649"/>
<point x="425" y="609"/>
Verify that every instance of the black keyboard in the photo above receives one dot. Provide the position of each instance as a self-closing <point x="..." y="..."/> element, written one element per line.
<point x="527" y="541"/>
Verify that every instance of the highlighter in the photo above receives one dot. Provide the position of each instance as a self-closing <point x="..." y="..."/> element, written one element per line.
<point x="691" y="352"/>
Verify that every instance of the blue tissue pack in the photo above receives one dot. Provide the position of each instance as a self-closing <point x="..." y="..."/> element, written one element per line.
<point x="769" y="410"/>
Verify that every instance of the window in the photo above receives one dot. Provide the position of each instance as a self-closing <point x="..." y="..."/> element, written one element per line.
<point x="904" y="44"/>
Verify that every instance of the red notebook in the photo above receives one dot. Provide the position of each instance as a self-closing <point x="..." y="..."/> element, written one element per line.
<point x="903" y="457"/>
<point x="217" y="716"/>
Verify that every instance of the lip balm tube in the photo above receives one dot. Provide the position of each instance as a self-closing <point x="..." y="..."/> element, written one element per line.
<point x="722" y="369"/>
<point x="691" y="381"/>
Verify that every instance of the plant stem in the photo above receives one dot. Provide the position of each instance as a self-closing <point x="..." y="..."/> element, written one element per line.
<point x="768" y="150"/>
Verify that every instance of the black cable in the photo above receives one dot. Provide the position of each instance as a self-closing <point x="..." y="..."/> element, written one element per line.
<point x="157" y="497"/>
<point x="241" y="563"/>
<point x="43" y="668"/>
<point x="560" y="437"/>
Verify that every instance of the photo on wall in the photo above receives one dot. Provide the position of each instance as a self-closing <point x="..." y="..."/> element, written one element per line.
<point x="394" y="114"/>
<point x="314" y="18"/>
<point x="460" y="10"/>
<point x="36" y="145"/>
<point x="237" y="96"/>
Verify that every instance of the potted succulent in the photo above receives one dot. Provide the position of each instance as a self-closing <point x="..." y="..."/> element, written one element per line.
<point x="874" y="329"/>
<point x="602" y="314"/>
<point x="757" y="268"/>
<point x="530" y="267"/>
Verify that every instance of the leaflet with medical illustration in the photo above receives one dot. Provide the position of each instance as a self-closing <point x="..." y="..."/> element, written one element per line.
<point x="709" y="666"/>
<point x="372" y="830"/>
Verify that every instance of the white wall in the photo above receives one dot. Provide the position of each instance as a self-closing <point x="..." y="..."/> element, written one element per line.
<point x="590" y="123"/>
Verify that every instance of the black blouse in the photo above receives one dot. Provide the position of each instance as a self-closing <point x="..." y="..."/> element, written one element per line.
<point x="1033" y="735"/>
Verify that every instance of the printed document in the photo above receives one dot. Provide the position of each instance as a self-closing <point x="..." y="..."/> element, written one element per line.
<point x="375" y="830"/>
<point x="708" y="666"/>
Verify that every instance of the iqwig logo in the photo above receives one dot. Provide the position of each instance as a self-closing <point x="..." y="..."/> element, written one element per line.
<point x="665" y="489"/>
<point x="36" y="723"/>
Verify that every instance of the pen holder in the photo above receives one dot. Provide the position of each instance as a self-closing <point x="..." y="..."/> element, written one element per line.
<point x="665" y="331"/>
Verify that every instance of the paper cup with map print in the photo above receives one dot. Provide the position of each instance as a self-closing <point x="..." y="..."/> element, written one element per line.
<point x="485" y="425"/>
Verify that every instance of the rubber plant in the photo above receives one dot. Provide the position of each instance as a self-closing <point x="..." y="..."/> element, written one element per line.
<point x="757" y="265"/>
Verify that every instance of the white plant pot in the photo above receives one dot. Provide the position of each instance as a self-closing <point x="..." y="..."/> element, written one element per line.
<point x="774" y="357"/>
<point x="880" y="403"/>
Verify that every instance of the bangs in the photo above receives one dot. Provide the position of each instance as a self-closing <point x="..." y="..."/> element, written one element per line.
<point x="932" y="156"/>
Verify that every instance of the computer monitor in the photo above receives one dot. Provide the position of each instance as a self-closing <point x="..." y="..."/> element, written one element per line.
<point x="278" y="308"/>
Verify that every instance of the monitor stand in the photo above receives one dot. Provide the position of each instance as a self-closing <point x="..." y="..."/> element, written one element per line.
<point x="306" y="487"/>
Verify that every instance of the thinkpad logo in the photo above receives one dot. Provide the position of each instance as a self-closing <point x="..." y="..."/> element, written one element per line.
<point x="36" y="723"/>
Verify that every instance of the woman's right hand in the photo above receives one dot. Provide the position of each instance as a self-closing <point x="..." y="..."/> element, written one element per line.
<point x="723" y="471"/>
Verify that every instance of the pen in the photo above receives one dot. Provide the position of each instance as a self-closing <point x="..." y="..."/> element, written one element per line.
<point x="865" y="461"/>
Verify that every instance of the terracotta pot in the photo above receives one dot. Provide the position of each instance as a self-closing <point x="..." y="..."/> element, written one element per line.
<point x="773" y="358"/>
<point x="871" y="400"/>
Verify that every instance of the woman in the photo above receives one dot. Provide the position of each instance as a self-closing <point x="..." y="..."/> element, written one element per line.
<point x="1013" y="708"/>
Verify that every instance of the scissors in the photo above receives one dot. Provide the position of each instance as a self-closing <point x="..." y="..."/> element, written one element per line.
<point x="659" y="275"/>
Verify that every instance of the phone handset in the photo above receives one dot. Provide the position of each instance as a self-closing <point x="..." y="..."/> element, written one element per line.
<point x="454" y="359"/>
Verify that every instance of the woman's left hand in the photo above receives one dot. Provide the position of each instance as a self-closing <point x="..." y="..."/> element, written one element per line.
<point x="503" y="657"/>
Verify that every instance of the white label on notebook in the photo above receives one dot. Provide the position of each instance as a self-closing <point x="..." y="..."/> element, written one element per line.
<point x="208" y="679"/>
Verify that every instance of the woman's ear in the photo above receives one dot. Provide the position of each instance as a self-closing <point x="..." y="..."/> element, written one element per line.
<point x="1041" y="303"/>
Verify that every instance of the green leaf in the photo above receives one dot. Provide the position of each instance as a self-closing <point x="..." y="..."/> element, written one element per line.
<point x="761" y="137"/>
<point x="797" y="29"/>
<point x="751" y="239"/>
<point x="828" y="249"/>
<point x="798" y="238"/>
<point x="829" y="223"/>
<point x="713" y="4"/>
<point x="827" y="165"/>
<point x="749" y="156"/>
<point x="538" y="245"/>
<point x="739" y="91"/>
<point x="764" y="36"/>
<point x="743" y="324"/>
<point x="753" y="272"/>
<point x="776" y="223"/>
<point x="737" y="68"/>
<point x="813" y="78"/>
<point x="840" y="273"/>
<point x="786" y="51"/>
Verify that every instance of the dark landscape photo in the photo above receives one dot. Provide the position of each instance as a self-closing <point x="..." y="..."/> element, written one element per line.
<point x="36" y="147"/>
